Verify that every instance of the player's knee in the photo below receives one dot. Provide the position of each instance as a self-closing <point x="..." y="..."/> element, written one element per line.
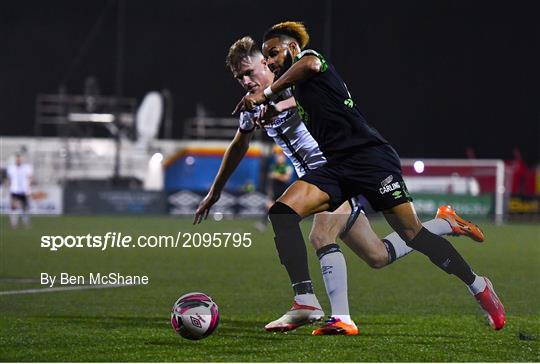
<point x="378" y="263"/>
<point x="319" y="239"/>
<point x="279" y="209"/>
<point x="281" y="213"/>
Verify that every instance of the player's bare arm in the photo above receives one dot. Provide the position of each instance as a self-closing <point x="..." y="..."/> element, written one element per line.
<point x="271" y="111"/>
<point x="231" y="159"/>
<point x="307" y="67"/>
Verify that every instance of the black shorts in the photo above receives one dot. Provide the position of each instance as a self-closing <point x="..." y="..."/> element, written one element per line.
<point x="278" y="189"/>
<point x="22" y="198"/>
<point x="374" y="172"/>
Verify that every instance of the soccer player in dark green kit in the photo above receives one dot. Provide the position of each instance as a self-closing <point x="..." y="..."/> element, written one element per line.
<point x="360" y="161"/>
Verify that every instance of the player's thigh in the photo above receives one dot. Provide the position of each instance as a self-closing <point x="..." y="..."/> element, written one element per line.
<point x="365" y="243"/>
<point x="403" y="219"/>
<point x="328" y="225"/>
<point x="305" y="199"/>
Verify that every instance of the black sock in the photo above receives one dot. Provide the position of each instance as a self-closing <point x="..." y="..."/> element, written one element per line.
<point x="442" y="254"/>
<point x="290" y="243"/>
<point x="302" y="287"/>
<point x="327" y="249"/>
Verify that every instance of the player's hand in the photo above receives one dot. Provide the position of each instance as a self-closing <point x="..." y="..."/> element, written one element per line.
<point x="249" y="102"/>
<point x="269" y="114"/>
<point x="204" y="207"/>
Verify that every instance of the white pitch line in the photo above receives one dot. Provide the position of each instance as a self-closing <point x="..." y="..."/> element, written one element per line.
<point x="59" y="289"/>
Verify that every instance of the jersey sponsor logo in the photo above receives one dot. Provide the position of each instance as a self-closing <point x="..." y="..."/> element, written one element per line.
<point x="247" y="123"/>
<point x="280" y="119"/>
<point x="390" y="188"/>
<point x="387" y="180"/>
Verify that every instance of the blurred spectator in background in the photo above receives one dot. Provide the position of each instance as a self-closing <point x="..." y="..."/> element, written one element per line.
<point x="19" y="179"/>
<point x="523" y="177"/>
<point x="470" y="153"/>
<point x="280" y="175"/>
<point x="91" y="93"/>
<point x="280" y="178"/>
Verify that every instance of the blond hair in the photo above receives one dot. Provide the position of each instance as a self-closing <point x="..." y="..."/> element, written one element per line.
<point x="242" y="48"/>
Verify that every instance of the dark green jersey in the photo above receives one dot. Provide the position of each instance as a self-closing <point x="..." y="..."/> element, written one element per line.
<point x="330" y="113"/>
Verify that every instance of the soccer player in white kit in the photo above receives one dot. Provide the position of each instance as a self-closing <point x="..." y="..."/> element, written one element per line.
<point x="19" y="179"/>
<point x="348" y="222"/>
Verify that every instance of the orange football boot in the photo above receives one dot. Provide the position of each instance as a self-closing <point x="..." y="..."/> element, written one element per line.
<point x="459" y="225"/>
<point x="335" y="326"/>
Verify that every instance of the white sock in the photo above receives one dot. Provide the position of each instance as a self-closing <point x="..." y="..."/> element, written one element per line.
<point x="478" y="285"/>
<point x="400" y="248"/>
<point x="334" y="271"/>
<point x="436" y="226"/>
<point x="344" y="318"/>
<point x="25" y="218"/>
<point x="13" y="219"/>
<point x="307" y="299"/>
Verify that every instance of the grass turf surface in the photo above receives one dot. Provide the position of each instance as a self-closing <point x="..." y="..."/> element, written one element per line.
<point x="409" y="311"/>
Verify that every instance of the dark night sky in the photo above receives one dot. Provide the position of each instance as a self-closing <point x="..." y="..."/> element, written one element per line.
<point x="434" y="77"/>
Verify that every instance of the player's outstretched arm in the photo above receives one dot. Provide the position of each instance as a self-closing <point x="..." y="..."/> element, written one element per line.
<point x="305" y="68"/>
<point x="271" y="111"/>
<point x="233" y="155"/>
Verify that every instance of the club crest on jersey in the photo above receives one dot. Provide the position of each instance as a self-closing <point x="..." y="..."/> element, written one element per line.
<point x="390" y="188"/>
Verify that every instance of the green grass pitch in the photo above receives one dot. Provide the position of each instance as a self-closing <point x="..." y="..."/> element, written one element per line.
<point x="409" y="311"/>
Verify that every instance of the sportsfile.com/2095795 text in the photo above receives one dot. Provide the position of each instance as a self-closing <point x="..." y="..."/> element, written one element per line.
<point x="121" y="240"/>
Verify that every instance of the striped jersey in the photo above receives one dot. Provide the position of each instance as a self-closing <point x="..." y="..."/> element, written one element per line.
<point x="290" y="133"/>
